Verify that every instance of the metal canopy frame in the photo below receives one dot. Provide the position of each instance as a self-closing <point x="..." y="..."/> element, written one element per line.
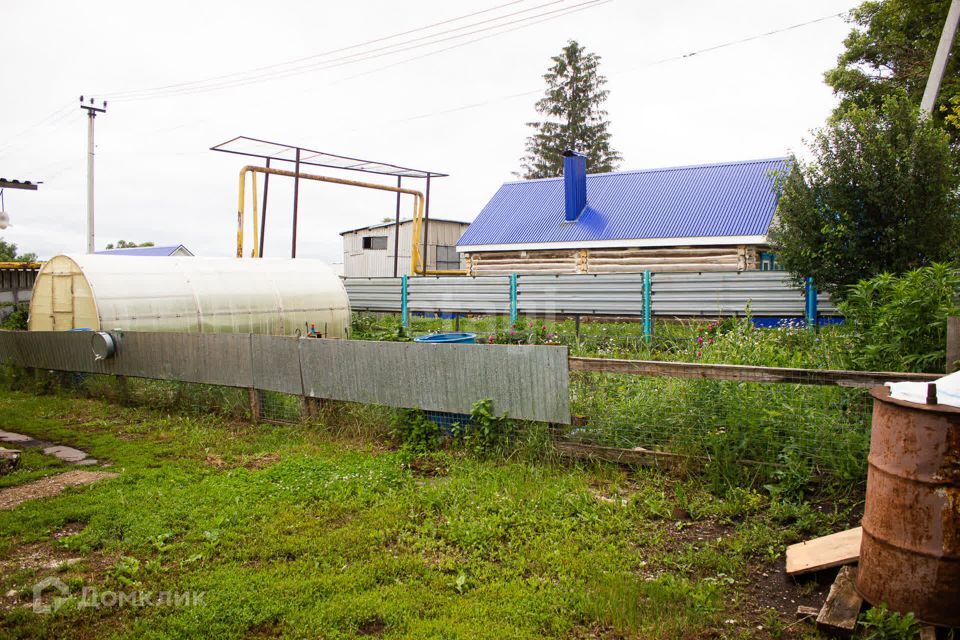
<point x="278" y="152"/>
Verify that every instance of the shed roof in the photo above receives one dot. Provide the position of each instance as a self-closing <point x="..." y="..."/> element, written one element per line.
<point x="167" y="250"/>
<point x="700" y="204"/>
<point x="403" y="221"/>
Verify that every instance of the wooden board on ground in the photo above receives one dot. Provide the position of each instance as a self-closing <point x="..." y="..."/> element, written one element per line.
<point x="842" y="608"/>
<point x="823" y="553"/>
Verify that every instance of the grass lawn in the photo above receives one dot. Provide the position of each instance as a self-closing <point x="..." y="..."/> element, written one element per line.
<point x="316" y="530"/>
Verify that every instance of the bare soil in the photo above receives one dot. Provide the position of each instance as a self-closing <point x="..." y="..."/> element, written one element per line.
<point x="49" y="486"/>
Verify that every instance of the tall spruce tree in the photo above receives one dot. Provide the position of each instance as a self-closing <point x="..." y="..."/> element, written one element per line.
<point x="574" y="117"/>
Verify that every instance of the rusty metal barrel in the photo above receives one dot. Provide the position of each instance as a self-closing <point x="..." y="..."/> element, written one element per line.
<point x="910" y="553"/>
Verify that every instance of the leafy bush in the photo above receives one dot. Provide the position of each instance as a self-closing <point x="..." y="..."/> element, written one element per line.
<point x="900" y="322"/>
<point x="486" y="433"/>
<point x="415" y="431"/>
<point x="368" y="327"/>
<point x="883" y="624"/>
<point x="16" y="319"/>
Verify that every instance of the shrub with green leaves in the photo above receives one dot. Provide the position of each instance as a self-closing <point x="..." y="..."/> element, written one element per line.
<point x="486" y="433"/>
<point x="900" y="321"/>
<point x="16" y="319"/>
<point x="882" y="624"/>
<point x="416" y="431"/>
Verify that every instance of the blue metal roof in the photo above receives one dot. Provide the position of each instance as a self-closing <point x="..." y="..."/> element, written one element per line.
<point x="727" y="199"/>
<point x="146" y="251"/>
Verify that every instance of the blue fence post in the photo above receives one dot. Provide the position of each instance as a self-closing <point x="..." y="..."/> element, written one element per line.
<point x="513" y="299"/>
<point x="404" y="308"/>
<point x="811" y="300"/>
<point x="647" y="311"/>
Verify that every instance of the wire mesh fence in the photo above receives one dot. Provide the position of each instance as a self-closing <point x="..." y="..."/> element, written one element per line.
<point x="819" y="428"/>
<point x="823" y="428"/>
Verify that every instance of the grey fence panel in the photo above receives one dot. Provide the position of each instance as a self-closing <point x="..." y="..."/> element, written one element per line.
<point x="276" y="363"/>
<point x="768" y="293"/>
<point x="374" y="294"/>
<point x="528" y="382"/>
<point x="212" y="358"/>
<point x="597" y="294"/>
<point x="488" y="294"/>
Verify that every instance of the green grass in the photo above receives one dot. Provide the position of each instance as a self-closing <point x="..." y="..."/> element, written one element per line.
<point x="812" y="432"/>
<point x="320" y="530"/>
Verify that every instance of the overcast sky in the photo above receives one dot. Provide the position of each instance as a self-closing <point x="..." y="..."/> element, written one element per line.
<point x="448" y="102"/>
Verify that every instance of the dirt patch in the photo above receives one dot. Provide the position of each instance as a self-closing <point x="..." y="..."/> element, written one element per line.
<point x="216" y="461"/>
<point x="26" y="564"/>
<point x="374" y="627"/>
<point x="254" y="463"/>
<point x="49" y="487"/>
<point x="428" y="468"/>
<point x="262" y="461"/>
<point x="769" y="587"/>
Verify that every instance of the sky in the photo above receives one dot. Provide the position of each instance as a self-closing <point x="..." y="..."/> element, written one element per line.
<point x="180" y="77"/>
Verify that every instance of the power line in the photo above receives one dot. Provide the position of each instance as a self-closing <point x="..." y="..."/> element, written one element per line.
<point x="674" y="58"/>
<point x="49" y="119"/>
<point x="369" y="55"/>
<point x="564" y="12"/>
<point x="122" y="94"/>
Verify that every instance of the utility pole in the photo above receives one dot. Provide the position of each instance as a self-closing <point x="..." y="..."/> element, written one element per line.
<point x="92" y="111"/>
<point x="939" y="66"/>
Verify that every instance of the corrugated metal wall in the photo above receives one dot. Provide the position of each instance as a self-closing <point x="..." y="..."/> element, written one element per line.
<point x="469" y="295"/>
<point x="614" y="294"/>
<point x="713" y="294"/>
<point x="528" y="382"/>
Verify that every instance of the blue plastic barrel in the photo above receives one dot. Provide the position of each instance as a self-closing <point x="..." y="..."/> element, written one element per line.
<point x="448" y="338"/>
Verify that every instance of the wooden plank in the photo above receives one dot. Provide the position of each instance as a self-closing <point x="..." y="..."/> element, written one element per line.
<point x="807" y="612"/>
<point x="638" y="456"/>
<point x="746" y="373"/>
<point x="928" y="633"/>
<point x="842" y="608"/>
<point x="953" y="343"/>
<point x="824" y="552"/>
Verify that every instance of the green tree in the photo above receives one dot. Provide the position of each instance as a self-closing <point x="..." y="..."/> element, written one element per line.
<point x="123" y="244"/>
<point x="880" y="195"/>
<point x="574" y="117"/>
<point x="890" y="51"/>
<point x="8" y="253"/>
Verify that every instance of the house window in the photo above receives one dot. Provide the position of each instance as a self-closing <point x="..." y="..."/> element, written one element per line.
<point x="447" y="258"/>
<point x="768" y="262"/>
<point x="375" y="242"/>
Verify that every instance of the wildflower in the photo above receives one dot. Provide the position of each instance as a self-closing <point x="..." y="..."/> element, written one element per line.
<point x="700" y="340"/>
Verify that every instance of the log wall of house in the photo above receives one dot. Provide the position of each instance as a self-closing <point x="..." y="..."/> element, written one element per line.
<point x="732" y="258"/>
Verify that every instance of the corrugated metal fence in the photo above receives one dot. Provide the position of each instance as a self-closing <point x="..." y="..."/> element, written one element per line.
<point x="528" y="382"/>
<point x="710" y="294"/>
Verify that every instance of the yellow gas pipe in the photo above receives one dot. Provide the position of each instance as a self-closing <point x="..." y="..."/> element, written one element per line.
<point x="418" y="205"/>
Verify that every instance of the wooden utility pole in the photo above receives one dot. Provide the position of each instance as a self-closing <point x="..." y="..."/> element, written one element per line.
<point x="939" y="66"/>
<point x="953" y="343"/>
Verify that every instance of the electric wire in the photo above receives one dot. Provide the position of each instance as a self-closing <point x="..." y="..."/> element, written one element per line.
<point x="365" y="55"/>
<point x="123" y="94"/>
<point x="654" y="63"/>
